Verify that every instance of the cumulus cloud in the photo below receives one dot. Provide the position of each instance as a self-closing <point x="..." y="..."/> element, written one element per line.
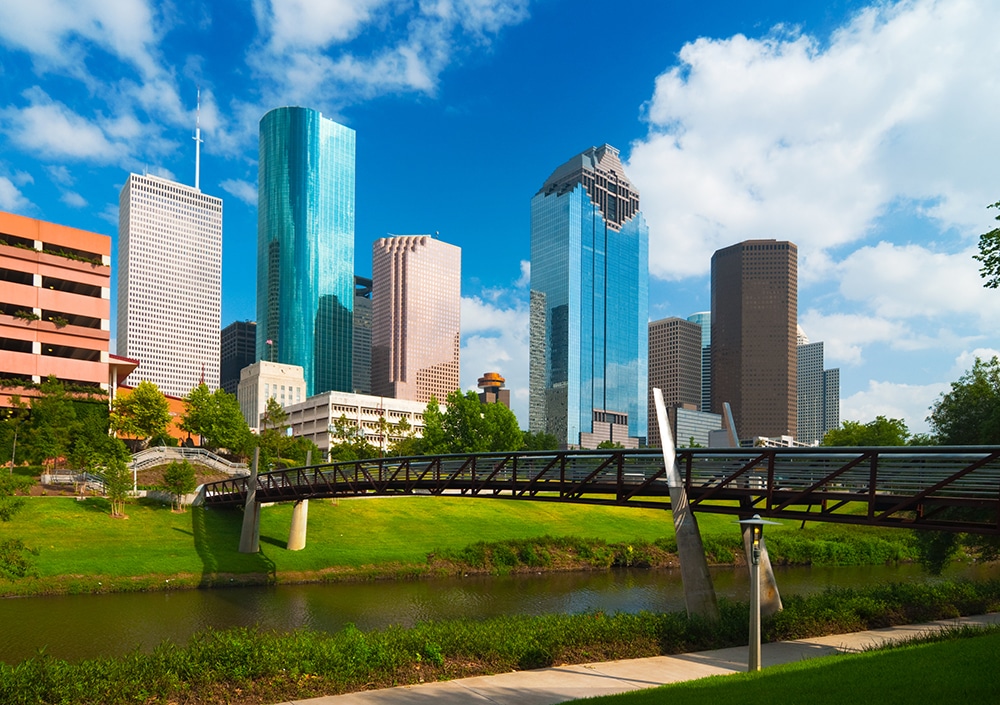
<point x="11" y="198"/>
<point x="245" y="191"/>
<point x="813" y="139"/>
<point x="73" y="199"/>
<point x="495" y="339"/>
<point x="304" y="52"/>
<point x="909" y="402"/>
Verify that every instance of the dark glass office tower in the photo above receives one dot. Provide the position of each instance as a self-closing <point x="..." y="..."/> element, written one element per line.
<point x="754" y="324"/>
<point x="305" y="246"/>
<point x="589" y="304"/>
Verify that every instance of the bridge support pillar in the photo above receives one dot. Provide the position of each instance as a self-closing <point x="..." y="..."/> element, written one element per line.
<point x="770" y="599"/>
<point x="250" y="534"/>
<point x="699" y="593"/>
<point x="297" y="534"/>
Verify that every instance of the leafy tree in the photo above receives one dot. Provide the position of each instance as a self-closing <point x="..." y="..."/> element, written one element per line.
<point x="350" y="442"/>
<point x="434" y="441"/>
<point x="17" y="414"/>
<point x="880" y="432"/>
<point x="52" y="424"/>
<point x="117" y="483"/>
<point x="969" y="414"/>
<point x="500" y="427"/>
<point x="609" y="445"/>
<point x="217" y="419"/>
<point x="143" y="413"/>
<point x="539" y="441"/>
<point x="989" y="255"/>
<point x="179" y="479"/>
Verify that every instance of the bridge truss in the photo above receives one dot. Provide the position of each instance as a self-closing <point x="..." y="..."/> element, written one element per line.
<point x="953" y="489"/>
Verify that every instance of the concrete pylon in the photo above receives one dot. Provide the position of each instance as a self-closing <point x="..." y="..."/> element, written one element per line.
<point x="770" y="599"/>
<point x="699" y="593"/>
<point x="250" y="534"/>
<point x="300" y="519"/>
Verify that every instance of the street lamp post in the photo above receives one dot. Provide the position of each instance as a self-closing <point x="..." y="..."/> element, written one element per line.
<point x="756" y="526"/>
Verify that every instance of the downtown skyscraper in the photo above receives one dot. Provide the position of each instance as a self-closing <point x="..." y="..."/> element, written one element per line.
<point x="416" y="317"/>
<point x="589" y="304"/>
<point x="305" y="246"/>
<point x="754" y="324"/>
<point x="169" y="283"/>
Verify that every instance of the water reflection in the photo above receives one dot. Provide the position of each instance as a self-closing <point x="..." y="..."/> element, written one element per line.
<point x="82" y="626"/>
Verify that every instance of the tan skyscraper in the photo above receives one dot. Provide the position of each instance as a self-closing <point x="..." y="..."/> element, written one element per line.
<point x="674" y="367"/>
<point x="754" y="356"/>
<point x="416" y="304"/>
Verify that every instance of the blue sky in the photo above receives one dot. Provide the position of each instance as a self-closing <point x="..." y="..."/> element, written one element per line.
<point x="864" y="133"/>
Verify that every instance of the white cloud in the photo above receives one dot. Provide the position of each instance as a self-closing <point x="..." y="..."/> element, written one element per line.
<point x="792" y="137"/>
<point x="53" y="130"/>
<point x="525" y="279"/>
<point x="73" y="199"/>
<point x="305" y="50"/>
<point x="11" y="198"/>
<point x="965" y="361"/>
<point x="60" y="34"/>
<point x="245" y="191"/>
<point x="909" y="402"/>
<point x="495" y="339"/>
<point x="845" y="334"/>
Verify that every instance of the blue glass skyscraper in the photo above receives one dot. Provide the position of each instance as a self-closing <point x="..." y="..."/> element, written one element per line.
<point x="305" y="246"/>
<point x="589" y="304"/>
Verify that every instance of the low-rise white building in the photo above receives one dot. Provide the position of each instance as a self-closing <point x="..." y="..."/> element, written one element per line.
<point x="285" y="384"/>
<point x="376" y="417"/>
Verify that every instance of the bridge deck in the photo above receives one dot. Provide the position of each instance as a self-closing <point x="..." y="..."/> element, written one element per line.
<point x="939" y="488"/>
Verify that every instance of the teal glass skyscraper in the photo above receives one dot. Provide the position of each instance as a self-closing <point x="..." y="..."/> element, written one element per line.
<point x="305" y="246"/>
<point x="589" y="304"/>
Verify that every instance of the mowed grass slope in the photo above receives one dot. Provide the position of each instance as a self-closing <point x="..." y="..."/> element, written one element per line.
<point x="957" y="671"/>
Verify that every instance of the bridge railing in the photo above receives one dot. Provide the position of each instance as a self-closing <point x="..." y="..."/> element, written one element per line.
<point x="893" y="484"/>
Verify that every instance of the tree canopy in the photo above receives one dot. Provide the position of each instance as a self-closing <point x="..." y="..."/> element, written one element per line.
<point x="880" y="432"/>
<point x="989" y="255"/>
<point x="217" y="419"/>
<point x="969" y="413"/>
<point x="143" y="413"/>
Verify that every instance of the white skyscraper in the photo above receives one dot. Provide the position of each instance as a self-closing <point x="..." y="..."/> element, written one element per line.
<point x="169" y="283"/>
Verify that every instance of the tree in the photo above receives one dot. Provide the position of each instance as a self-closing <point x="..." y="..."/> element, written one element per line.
<point x="217" y="419"/>
<point x="539" y="441"/>
<point x="434" y="441"/>
<point x="969" y="414"/>
<point x="179" y="479"/>
<point x="143" y="413"/>
<point x="880" y="432"/>
<point x="52" y="424"/>
<point x="609" y="445"/>
<point x="351" y="442"/>
<point x="17" y="414"/>
<point x="989" y="255"/>
<point x="117" y="483"/>
<point x="501" y="428"/>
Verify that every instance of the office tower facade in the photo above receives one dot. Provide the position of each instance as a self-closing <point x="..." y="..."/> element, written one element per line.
<point x="237" y="349"/>
<point x="362" y="374"/>
<point x="704" y="319"/>
<point x="818" y="394"/>
<point x="416" y="317"/>
<point x="754" y="312"/>
<point x="265" y="380"/>
<point x="674" y="368"/>
<point x="589" y="304"/>
<point x="55" y="306"/>
<point x="169" y="283"/>
<point x="305" y="246"/>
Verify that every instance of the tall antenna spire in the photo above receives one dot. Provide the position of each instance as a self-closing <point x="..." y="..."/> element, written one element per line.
<point x="197" y="145"/>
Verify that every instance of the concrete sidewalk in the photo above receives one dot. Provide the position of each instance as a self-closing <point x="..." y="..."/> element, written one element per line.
<point x="547" y="686"/>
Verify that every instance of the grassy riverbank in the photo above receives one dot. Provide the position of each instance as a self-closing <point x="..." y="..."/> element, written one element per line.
<point x="82" y="549"/>
<point x="247" y="666"/>
<point x="944" y="668"/>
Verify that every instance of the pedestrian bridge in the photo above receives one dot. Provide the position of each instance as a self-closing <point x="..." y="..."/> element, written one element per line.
<point x="938" y="488"/>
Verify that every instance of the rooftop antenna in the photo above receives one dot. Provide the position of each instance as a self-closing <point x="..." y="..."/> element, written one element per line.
<point x="197" y="144"/>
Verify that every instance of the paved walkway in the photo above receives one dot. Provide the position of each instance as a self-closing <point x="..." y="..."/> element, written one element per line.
<point x="547" y="686"/>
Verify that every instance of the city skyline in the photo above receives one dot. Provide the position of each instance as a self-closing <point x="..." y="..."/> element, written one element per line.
<point x="838" y="128"/>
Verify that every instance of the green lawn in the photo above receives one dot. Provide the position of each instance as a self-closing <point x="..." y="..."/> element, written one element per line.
<point x="958" y="671"/>
<point x="79" y="538"/>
